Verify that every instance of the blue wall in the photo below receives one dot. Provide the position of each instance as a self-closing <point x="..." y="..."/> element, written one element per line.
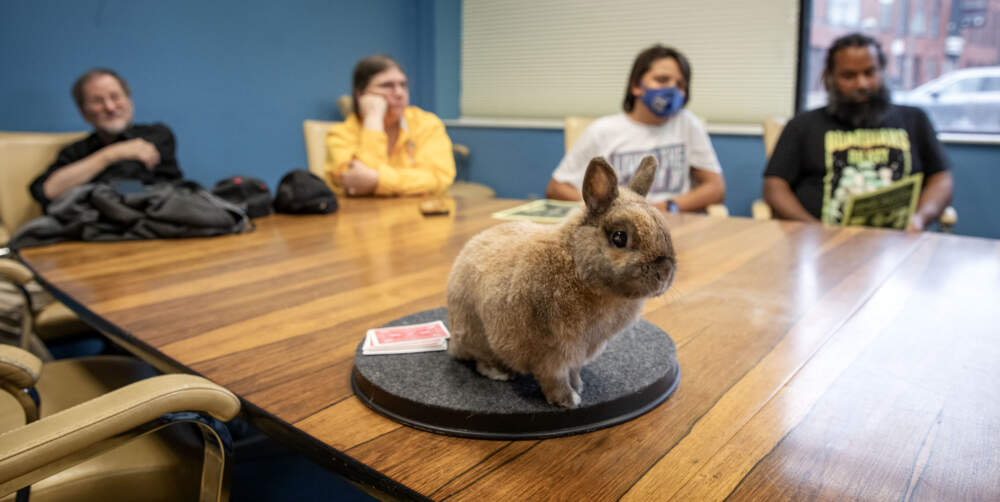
<point x="447" y="30"/>
<point x="516" y="163"/>
<point x="234" y="79"/>
<point x="976" y="169"/>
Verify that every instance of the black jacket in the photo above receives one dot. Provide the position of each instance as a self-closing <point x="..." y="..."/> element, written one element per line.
<point x="96" y="212"/>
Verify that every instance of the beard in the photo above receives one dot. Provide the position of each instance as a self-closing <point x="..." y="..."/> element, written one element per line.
<point x="114" y="130"/>
<point x="854" y="110"/>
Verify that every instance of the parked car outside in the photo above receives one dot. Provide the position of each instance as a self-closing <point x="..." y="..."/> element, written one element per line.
<point x="963" y="101"/>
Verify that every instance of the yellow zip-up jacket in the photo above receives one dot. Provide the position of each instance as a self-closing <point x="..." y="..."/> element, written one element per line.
<point x="421" y="162"/>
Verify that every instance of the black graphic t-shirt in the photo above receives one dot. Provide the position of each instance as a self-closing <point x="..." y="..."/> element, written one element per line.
<point x="826" y="162"/>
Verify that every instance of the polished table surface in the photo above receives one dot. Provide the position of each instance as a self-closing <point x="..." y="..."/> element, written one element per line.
<point x="817" y="363"/>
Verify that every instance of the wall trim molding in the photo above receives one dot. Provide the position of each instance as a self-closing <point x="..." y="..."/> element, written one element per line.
<point x="499" y="123"/>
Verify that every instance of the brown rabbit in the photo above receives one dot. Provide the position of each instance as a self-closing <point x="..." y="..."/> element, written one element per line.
<point x="542" y="299"/>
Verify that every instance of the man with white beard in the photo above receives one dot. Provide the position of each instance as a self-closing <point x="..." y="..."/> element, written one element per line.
<point x="118" y="150"/>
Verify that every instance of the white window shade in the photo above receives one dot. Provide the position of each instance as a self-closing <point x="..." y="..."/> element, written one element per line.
<point x="554" y="58"/>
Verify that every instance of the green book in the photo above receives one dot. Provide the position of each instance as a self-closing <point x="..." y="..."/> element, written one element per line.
<point x="541" y="210"/>
<point x="887" y="207"/>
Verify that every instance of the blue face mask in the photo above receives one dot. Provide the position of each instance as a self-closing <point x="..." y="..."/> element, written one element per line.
<point x="663" y="102"/>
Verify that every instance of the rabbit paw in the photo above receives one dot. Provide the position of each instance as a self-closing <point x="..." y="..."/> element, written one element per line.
<point x="567" y="398"/>
<point x="575" y="381"/>
<point x="492" y="372"/>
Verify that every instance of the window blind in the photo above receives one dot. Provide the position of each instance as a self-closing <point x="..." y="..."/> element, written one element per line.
<point x="555" y="58"/>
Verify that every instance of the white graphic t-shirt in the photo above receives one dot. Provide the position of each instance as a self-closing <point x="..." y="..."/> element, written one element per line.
<point x="678" y="145"/>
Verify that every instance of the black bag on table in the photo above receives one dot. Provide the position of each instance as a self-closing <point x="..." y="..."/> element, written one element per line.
<point x="302" y="192"/>
<point x="247" y="192"/>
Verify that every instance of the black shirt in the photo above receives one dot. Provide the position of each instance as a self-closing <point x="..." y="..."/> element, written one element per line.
<point x="157" y="134"/>
<point x="824" y="161"/>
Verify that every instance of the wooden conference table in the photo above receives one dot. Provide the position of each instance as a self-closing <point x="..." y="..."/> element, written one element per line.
<point x="818" y="363"/>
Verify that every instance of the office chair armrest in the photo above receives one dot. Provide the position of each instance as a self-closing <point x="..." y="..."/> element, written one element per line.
<point x="948" y="219"/>
<point x="58" y="441"/>
<point x="15" y="272"/>
<point x="717" y="210"/>
<point x="760" y="210"/>
<point x="19" y="368"/>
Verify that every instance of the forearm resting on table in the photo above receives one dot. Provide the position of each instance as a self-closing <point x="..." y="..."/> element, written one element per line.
<point x="345" y="150"/>
<point x="420" y="179"/>
<point x="936" y="196"/>
<point x="562" y="191"/>
<point x="710" y="189"/>
<point x="778" y="194"/>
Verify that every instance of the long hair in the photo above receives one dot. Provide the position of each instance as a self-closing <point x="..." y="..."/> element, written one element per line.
<point x="641" y="65"/>
<point x="364" y="71"/>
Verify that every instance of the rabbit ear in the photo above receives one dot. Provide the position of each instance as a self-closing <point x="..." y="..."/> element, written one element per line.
<point x="600" y="185"/>
<point x="643" y="178"/>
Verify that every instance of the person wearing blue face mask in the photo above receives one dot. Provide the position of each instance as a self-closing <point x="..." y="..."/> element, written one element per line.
<point x="655" y="122"/>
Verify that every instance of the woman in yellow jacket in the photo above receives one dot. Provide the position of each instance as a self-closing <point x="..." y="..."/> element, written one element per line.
<point x="387" y="147"/>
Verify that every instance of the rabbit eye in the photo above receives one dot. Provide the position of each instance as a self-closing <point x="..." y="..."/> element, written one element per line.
<point x="619" y="238"/>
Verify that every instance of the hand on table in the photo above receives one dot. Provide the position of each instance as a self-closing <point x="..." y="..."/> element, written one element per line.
<point x="359" y="179"/>
<point x="916" y="224"/>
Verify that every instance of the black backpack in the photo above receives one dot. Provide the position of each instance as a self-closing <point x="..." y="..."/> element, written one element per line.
<point x="301" y="192"/>
<point x="249" y="193"/>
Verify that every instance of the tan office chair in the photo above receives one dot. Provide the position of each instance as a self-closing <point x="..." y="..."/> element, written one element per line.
<point x="99" y="428"/>
<point x="108" y="441"/>
<point x="24" y="156"/>
<point x="772" y="131"/>
<point x="573" y="127"/>
<point x="315" y="139"/>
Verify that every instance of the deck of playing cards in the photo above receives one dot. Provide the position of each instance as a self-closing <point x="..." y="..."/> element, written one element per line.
<point x="427" y="337"/>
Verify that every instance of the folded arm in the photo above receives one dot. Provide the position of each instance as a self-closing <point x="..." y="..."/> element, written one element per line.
<point x="77" y="173"/>
<point x="432" y="169"/>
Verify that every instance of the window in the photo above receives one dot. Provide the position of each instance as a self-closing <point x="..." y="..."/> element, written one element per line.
<point x="935" y="18"/>
<point x="943" y="57"/>
<point x="885" y="14"/>
<point x="846" y="13"/>
<point x="917" y="22"/>
<point x="904" y="16"/>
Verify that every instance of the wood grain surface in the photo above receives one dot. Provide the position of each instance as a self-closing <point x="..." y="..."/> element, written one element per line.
<point x="819" y="363"/>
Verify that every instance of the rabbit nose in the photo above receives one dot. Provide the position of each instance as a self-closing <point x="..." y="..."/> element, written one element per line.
<point x="660" y="259"/>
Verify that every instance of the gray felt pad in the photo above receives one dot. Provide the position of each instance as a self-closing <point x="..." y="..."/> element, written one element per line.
<point x="637" y="370"/>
